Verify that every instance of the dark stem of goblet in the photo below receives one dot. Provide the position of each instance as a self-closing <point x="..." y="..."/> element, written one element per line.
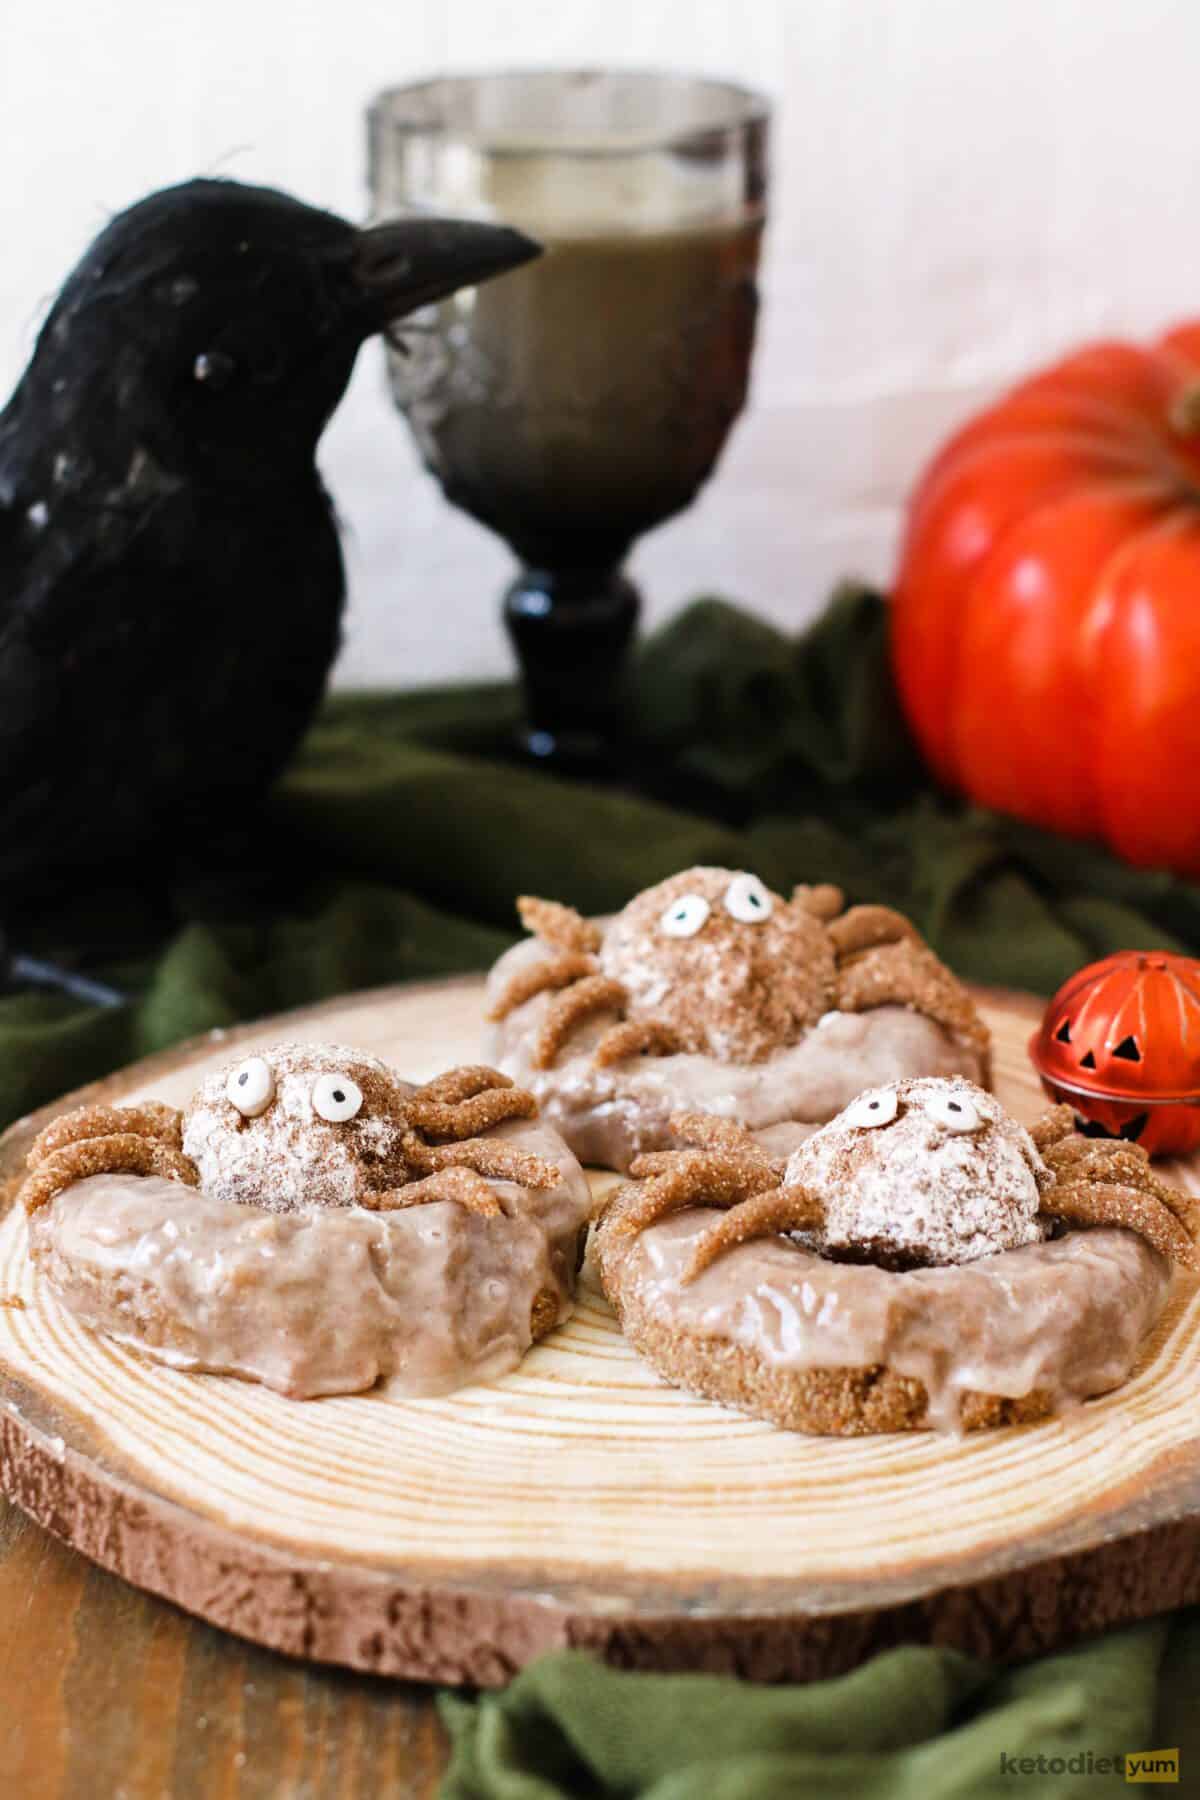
<point x="571" y="630"/>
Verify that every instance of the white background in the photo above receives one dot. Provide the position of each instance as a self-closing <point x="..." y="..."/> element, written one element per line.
<point x="960" y="189"/>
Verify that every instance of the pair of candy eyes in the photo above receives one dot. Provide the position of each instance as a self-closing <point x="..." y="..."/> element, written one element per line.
<point x="745" y="899"/>
<point x="251" y="1088"/>
<point x="953" y="1112"/>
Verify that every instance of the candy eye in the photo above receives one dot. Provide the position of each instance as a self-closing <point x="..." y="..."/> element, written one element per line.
<point x="684" y="917"/>
<point x="251" y="1087"/>
<point x="748" y="900"/>
<point x="336" y="1098"/>
<point x="956" y="1112"/>
<point x="872" y="1109"/>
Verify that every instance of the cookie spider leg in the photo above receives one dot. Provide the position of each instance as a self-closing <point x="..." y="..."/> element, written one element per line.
<point x="451" y="1120"/>
<point x="594" y="994"/>
<point x="765" y="1214"/>
<point x="902" y="971"/>
<point x="558" y="925"/>
<point x="463" y="1083"/>
<point x="121" y="1153"/>
<point x="441" y="1122"/>
<point x="495" y="1159"/>
<point x="824" y="901"/>
<point x="552" y="974"/>
<point x="867" y="927"/>
<point x="149" y="1120"/>
<point x="1052" y="1128"/>
<point x="683" y="1178"/>
<point x="636" y="1037"/>
<point x="1113" y="1162"/>
<point x="1091" y="1202"/>
<point x="711" y="1131"/>
<point x="461" y="1185"/>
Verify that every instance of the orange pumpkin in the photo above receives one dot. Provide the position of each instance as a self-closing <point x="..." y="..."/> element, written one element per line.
<point x="1045" y="621"/>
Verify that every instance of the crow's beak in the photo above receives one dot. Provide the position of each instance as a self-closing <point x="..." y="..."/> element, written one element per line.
<point x="411" y="262"/>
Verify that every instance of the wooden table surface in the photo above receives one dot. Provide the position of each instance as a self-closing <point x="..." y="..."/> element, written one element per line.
<point x="109" y="1694"/>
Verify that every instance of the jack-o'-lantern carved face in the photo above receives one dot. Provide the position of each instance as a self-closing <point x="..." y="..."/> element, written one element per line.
<point x="1120" y="1042"/>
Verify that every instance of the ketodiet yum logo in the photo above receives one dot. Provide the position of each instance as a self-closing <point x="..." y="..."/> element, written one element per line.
<point x="1135" y="1765"/>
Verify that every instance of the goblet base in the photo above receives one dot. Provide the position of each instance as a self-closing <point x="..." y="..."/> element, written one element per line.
<point x="571" y="630"/>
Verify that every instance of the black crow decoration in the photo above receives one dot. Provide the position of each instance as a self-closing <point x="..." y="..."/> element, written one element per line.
<point x="171" y="583"/>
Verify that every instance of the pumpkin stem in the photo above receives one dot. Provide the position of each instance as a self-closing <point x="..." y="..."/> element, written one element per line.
<point x="1183" y="414"/>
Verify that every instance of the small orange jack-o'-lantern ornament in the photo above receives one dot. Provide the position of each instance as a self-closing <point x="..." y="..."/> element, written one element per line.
<point x="1120" y="1042"/>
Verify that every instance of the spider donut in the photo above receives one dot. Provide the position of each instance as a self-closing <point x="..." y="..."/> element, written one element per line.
<point x="919" y="1260"/>
<point x="709" y="993"/>
<point x="313" y="1222"/>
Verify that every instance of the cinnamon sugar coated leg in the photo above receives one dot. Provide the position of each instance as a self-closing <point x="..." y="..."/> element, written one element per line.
<point x="766" y="1214"/>
<point x="543" y="1314"/>
<point x="557" y="972"/>
<point x="559" y="925"/>
<point x="124" y="1153"/>
<point x="463" y="1186"/>
<point x="1053" y="1126"/>
<point x="824" y="901"/>
<point x="867" y="927"/>
<point x="1100" y="1203"/>
<point x="636" y="1037"/>
<point x="494" y="1158"/>
<point x="464" y="1083"/>
<point x="596" y="993"/>
<point x="1111" y="1160"/>
<point x="653" y="1162"/>
<point x="705" y="1130"/>
<point x="467" y="1118"/>
<point x="151" y="1119"/>
<point x="682" y="1166"/>
<point x="698" y="1178"/>
<point x="905" y="972"/>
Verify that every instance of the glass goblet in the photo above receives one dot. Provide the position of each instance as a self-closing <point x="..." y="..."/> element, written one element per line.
<point x="581" y="400"/>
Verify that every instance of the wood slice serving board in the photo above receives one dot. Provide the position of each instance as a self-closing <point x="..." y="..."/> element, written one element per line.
<point x="578" y="1500"/>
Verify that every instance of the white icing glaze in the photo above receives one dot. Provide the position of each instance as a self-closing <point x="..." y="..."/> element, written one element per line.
<point x="610" y="1115"/>
<point x="318" y="1300"/>
<point x="1067" y="1317"/>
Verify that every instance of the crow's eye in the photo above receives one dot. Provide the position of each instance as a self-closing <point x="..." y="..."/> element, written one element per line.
<point x="213" y="368"/>
<point x="748" y="900"/>
<point x="251" y="1087"/>
<point x="954" y="1112"/>
<point x="685" y="916"/>
<point x="872" y="1109"/>
<point x="336" y="1098"/>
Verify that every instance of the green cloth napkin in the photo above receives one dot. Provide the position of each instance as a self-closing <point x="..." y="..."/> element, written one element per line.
<point x="914" y="1724"/>
<point x="393" y="850"/>
<point x="396" y="843"/>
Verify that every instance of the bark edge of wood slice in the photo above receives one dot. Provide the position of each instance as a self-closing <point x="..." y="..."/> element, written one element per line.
<point x="579" y="1501"/>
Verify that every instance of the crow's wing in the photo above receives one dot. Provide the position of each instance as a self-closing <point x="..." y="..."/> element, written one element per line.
<point x="156" y="670"/>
